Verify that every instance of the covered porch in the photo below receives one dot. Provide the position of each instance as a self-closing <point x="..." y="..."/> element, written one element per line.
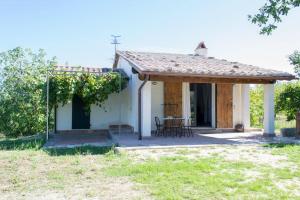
<point x="204" y="91"/>
<point x="203" y="103"/>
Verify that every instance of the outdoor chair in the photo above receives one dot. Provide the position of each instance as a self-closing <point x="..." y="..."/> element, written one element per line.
<point x="177" y="127"/>
<point x="160" y="128"/>
<point x="188" y="129"/>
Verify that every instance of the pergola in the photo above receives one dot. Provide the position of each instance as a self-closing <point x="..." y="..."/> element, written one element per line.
<point x="76" y="70"/>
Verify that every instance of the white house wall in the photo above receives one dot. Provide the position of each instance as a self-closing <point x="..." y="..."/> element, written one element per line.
<point x="113" y="111"/>
<point x="246" y="105"/>
<point x="237" y="104"/>
<point x="64" y="117"/>
<point x="157" y="100"/>
<point x="146" y="109"/>
<point x="241" y="105"/>
<point x="186" y="102"/>
<point x="133" y="86"/>
<point x="118" y="108"/>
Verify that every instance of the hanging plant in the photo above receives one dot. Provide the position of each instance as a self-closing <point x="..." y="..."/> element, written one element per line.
<point x="91" y="88"/>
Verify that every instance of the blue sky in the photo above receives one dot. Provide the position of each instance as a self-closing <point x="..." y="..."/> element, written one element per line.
<point x="78" y="32"/>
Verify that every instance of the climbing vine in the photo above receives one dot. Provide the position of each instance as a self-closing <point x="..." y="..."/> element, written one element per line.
<point x="91" y="88"/>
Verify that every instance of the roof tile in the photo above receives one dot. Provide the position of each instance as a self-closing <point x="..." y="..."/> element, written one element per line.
<point x="189" y="64"/>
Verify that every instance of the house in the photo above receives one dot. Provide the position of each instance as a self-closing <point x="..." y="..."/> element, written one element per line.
<point x="213" y="92"/>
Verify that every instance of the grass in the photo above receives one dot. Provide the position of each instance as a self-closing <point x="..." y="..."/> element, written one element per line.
<point x="27" y="170"/>
<point x="31" y="142"/>
<point x="292" y="151"/>
<point x="85" y="150"/>
<point x="209" y="178"/>
<point x="280" y="122"/>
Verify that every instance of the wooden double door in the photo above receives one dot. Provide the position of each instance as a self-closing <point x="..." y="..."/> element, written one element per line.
<point x="224" y="96"/>
<point x="223" y="103"/>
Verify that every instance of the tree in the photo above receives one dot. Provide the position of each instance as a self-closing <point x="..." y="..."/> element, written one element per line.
<point x="271" y="13"/>
<point x="256" y="106"/>
<point x="295" y="61"/>
<point x="287" y="97"/>
<point x="288" y="101"/>
<point x="22" y="104"/>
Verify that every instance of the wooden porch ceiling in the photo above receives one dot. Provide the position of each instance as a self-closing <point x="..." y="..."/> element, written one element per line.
<point x="224" y="80"/>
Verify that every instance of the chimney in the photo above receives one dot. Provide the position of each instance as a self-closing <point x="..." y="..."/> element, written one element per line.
<point x="201" y="50"/>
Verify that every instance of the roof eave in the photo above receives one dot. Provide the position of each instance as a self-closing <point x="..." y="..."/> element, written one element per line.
<point x="143" y="73"/>
<point x="287" y="78"/>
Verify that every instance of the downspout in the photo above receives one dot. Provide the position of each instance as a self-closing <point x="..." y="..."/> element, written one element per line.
<point x="140" y="106"/>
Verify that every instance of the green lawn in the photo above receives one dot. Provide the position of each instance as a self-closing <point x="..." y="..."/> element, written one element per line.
<point x="280" y="122"/>
<point x="213" y="177"/>
<point x="219" y="172"/>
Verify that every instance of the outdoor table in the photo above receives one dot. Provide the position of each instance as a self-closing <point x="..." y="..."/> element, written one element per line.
<point x="172" y="123"/>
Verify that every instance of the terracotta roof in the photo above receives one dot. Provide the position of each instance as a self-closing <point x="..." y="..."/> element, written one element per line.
<point x="96" y="70"/>
<point x="193" y="65"/>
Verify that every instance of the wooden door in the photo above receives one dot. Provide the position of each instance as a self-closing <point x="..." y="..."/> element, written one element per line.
<point x="224" y="105"/>
<point x="173" y="99"/>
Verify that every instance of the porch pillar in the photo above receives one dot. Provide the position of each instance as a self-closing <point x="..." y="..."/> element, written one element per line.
<point x="146" y="110"/>
<point x="269" y="127"/>
<point x="186" y="102"/>
<point x="246" y="105"/>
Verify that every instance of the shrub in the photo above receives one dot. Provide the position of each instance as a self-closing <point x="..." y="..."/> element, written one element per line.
<point x="22" y="77"/>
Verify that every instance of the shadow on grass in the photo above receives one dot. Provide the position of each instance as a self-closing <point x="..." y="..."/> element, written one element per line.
<point x="84" y="150"/>
<point x="32" y="142"/>
<point x="280" y="145"/>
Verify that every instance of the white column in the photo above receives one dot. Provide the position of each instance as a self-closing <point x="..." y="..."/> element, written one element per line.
<point x="213" y="105"/>
<point x="186" y="102"/>
<point x="146" y="110"/>
<point x="269" y="110"/>
<point x="237" y="105"/>
<point x="246" y="105"/>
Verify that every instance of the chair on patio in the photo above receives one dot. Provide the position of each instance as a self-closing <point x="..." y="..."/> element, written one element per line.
<point x="160" y="128"/>
<point x="177" y="127"/>
<point x="188" y="129"/>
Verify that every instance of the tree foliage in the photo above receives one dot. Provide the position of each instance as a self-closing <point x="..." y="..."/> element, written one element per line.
<point x="271" y="14"/>
<point x="256" y="106"/>
<point x="295" y="61"/>
<point x="91" y="88"/>
<point x="288" y="100"/>
<point x="23" y="90"/>
<point x="257" y="102"/>
<point x="22" y="78"/>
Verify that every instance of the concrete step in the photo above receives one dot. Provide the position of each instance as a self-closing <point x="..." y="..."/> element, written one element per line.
<point x="206" y="130"/>
<point x="122" y="129"/>
<point x="81" y="131"/>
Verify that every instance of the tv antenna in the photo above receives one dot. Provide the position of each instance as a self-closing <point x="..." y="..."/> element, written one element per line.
<point x="115" y="41"/>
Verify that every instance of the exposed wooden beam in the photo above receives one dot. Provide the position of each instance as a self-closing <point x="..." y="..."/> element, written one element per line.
<point x="208" y="80"/>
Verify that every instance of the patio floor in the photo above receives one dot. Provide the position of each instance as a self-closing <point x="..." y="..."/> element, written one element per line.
<point x="102" y="138"/>
<point x="79" y="138"/>
<point x="231" y="138"/>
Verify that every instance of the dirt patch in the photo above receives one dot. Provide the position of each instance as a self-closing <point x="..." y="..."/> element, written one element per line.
<point x="36" y="175"/>
<point x="292" y="185"/>
<point x="249" y="153"/>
